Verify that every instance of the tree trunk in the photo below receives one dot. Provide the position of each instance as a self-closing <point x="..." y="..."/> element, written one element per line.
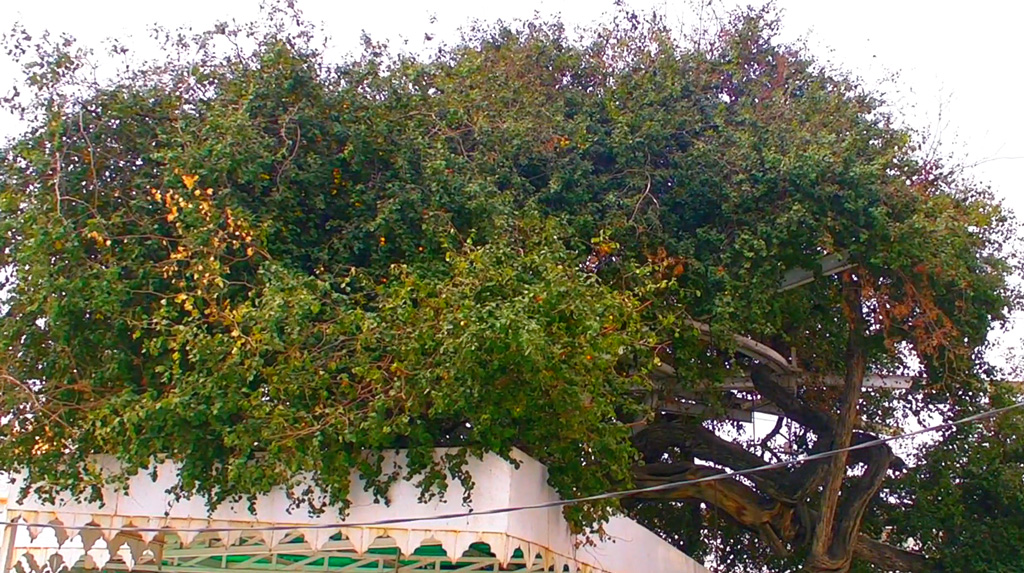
<point x="831" y="553"/>
<point x="776" y="523"/>
<point x="775" y="503"/>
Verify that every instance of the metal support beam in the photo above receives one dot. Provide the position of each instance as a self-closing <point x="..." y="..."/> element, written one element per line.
<point x="829" y="265"/>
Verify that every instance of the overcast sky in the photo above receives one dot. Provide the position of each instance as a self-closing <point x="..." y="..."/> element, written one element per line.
<point x="963" y="61"/>
<point x="957" y="68"/>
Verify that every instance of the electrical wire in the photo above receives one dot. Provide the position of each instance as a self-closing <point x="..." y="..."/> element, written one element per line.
<point x="726" y="474"/>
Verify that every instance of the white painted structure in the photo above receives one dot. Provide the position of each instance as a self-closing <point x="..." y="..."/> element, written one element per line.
<point x="145" y="529"/>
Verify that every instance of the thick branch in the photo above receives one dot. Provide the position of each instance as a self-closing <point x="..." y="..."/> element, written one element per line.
<point x="705" y="444"/>
<point x="778" y="524"/>
<point x="795" y="409"/>
<point x="779" y="421"/>
<point x="890" y="558"/>
<point x="829" y="551"/>
<point x="773" y="521"/>
<point x="750" y="347"/>
<point x="855" y="501"/>
<point x="810" y="475"/>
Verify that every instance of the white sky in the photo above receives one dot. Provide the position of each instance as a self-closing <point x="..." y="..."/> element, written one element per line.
<point x="958" y="63"/>
<point x="958" y="58"/>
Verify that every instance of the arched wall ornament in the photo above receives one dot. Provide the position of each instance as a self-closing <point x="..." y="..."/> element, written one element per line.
<point x="146" y="529"/>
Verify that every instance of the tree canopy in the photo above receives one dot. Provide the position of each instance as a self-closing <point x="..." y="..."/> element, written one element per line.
<point x="259" y="263"/>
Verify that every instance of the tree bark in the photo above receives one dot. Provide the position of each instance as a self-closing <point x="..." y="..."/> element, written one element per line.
<point x="776" y="503"/>
<point x="890" y="558"/>
<point x="776" y="523"/>
<point x="773" y="521"/>
<point x="831" y="553"/>
<point x="705" y="444"/>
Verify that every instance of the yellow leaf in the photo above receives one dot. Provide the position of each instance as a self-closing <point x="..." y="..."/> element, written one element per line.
<point x="189" y="180"/>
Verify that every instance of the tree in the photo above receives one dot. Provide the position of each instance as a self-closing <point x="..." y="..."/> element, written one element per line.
<point x="257" y="263"/>
<point x="960" y="504"/>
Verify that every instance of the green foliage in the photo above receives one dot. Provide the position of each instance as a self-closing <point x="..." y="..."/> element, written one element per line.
<point x="261" y="264"/>
<point x="962" y="504"/>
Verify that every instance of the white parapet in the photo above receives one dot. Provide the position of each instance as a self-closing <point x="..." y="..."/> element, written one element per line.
<point x="146" y="529"/>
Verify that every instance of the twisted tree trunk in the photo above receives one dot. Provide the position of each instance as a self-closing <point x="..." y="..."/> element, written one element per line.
<point x="781" y="525"/>
<point x="815" y="505"/>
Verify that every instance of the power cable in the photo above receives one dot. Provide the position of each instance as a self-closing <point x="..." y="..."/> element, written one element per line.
<point x="726" y="474"/>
